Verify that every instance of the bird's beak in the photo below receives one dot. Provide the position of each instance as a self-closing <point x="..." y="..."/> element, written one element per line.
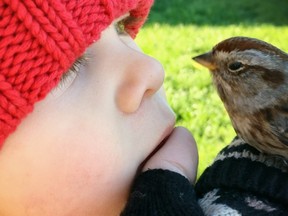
<point x="206" y="60"/>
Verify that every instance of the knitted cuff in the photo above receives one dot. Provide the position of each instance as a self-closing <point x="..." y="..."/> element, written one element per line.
<point x="241" y="167"/>
<point x="162" y="192"/>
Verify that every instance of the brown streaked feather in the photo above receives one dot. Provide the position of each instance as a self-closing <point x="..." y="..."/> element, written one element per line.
<point x="244" y="43"/>
<point x="273" y="77"/>
<point x="278" y="120"/>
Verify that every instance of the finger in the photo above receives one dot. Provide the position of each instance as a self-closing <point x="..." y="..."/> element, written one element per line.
<point x="178" y="154"/>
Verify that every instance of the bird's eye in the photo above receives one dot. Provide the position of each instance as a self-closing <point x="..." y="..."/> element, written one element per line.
<point x="235" y="66"/>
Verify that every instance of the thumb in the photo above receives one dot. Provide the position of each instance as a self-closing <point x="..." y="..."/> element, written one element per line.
<point x="179" y="154"/>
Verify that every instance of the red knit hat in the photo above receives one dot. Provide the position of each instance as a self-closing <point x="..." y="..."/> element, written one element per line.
<point x="41" y="39"/>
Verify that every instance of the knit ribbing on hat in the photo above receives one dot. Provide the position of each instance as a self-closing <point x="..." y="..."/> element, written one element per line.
<point x="41" y="39"/>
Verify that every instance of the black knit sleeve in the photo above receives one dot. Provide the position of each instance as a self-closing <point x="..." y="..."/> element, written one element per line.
<point x="243" y="181"/>
<point x="162" y="193"/>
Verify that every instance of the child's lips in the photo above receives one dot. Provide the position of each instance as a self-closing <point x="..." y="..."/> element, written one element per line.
<point x="161" y="142"/>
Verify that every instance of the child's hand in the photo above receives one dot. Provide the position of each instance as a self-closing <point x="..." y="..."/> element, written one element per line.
<point x="179" y="154"/>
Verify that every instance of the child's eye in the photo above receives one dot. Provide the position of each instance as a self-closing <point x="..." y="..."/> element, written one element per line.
<point x="120" y="24"/>
<point x="120" y="27"/>
<point x="74" y="69"/>
<point x="69" y="76"/>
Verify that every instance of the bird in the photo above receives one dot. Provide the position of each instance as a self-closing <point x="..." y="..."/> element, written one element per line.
<point x="251" y="78"/>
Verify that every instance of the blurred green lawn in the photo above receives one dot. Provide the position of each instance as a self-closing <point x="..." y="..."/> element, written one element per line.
<point x="180" y="29"/>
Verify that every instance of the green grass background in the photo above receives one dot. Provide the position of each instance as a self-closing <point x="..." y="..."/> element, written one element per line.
<point x="180" y="29"/>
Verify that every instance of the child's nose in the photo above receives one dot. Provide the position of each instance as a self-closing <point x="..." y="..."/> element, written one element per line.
<point x="142" y="78"/>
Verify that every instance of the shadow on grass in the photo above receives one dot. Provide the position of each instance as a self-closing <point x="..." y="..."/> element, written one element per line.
<point x="221" y="12"/>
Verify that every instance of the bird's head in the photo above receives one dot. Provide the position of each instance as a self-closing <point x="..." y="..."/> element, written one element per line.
<point x="245" y="70"/>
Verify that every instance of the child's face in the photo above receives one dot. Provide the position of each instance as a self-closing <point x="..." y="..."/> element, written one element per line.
<point x="78" y="151"/>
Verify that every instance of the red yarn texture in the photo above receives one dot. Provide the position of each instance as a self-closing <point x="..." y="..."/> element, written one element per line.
<point x="41" y="39"/>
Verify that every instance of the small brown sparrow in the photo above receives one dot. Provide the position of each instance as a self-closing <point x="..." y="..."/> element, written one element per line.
<point x="251" y="77"/>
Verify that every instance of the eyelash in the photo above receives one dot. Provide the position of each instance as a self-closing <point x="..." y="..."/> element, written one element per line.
<point x="74" y="69"/>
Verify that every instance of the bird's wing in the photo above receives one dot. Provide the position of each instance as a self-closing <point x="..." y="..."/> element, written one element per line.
<point x="278" y="120"/>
